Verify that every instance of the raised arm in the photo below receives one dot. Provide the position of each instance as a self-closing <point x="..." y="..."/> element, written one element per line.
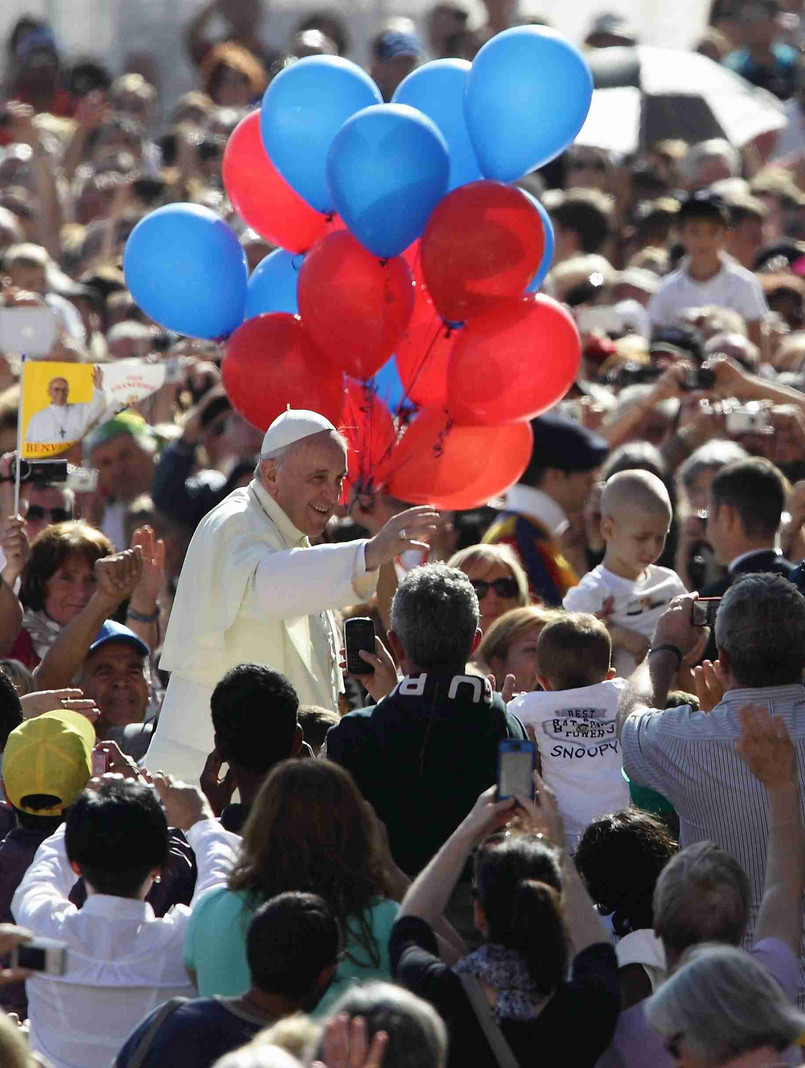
<point x="429" y="893"/>
<point x="766" y="749"/>
<point x="584" y="924"/>
<point x="676" y="642"/>
<point x="116" y="577"/>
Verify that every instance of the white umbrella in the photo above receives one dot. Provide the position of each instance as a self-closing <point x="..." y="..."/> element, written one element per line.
<point x="644" y="95"/>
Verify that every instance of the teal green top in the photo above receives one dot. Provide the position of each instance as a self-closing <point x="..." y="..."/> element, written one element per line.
<point x="215" y="947"/>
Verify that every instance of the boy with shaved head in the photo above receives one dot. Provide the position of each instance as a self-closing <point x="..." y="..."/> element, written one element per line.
<point x="628" y="589"/>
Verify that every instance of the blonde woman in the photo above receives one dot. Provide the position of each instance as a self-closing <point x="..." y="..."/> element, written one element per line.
<point x="497" y="577"/>
<point x="509" y="647"/>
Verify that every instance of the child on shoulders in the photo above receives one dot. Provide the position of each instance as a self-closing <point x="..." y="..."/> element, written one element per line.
<point x="628" y="589"/>
<point x="574" y="721"/>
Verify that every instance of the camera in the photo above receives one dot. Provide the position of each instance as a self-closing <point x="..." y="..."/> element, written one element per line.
<point x="48" y="472"/>
<point x="749" y="419"/>
<point x="40" y="471"/>
<point x="703" y="611"/>
<point x="700" y="378"/>
<point x="47" y="955"/>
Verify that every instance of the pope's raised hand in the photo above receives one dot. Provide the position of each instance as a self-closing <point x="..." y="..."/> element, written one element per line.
<point x="407" y="530"/>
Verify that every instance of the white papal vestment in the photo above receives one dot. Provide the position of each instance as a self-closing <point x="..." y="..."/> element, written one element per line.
<point x="252" y="590"/>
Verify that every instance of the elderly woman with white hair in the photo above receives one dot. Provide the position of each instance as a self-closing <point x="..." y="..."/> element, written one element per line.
<point x="722" y="1009"/>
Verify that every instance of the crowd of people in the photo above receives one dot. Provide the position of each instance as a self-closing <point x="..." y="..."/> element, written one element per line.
<point x="227" y="840"/>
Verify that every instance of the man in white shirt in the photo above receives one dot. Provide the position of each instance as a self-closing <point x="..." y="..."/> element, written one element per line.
<point x="573" y="721"/>
<point x="62" y="422"/>
<point x="122" y="961"/>
<point x="254" y="591"/>
<point x="707" y="275"/>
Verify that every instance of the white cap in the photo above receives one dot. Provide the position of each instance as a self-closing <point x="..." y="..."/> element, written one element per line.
<point x="293" y="425"/>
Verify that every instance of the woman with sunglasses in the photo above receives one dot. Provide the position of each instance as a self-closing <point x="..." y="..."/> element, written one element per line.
<point x="545" y="976"/>
<point x="497" y="577"/>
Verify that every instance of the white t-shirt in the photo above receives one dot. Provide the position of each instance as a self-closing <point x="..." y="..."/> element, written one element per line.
<point x="579" y="750"/>
<point x="733" y="287"/>
<point x="637" y="605"/>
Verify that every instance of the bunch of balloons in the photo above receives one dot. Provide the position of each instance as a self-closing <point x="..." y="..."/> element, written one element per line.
<point x="399" y="238"/>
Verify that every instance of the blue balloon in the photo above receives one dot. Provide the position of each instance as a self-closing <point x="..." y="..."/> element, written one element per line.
<point x="437" y="90"/>
<point x="550" y="244"/>
<point x="186" y="269"/>
<point x="528" y="94"/>
<point x="303" y="109"/>
<point x="272" y="286"/>
<point x="389" y="387"/>
<point x="388" y="168"/>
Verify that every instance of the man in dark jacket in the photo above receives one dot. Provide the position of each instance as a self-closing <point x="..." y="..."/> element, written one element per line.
<point x="425" y="752"/>
<point x="746" y="502"/>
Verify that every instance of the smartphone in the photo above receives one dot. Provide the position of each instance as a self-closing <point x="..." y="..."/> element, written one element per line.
<point x="100" y="762"/>
<point x="703" y="612"/>
<point x="28" y="331"/>
<point x="47" y="955"/>
<point x="359" y="633"/>
<point x="516" y="763"/>
<point x="174" y="371"/>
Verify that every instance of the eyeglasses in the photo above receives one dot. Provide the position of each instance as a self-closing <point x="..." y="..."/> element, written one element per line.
<point x="588" y="165"/>
<point x="503" y="587"/>
<point x="57" y="515"/>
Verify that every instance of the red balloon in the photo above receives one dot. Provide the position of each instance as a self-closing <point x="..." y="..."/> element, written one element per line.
<point x="482" y="245"/>
<point x="422" y="354"/>
<point x="514" y="362"/>
<point x="354" y="306"/>
<point x="270" y="363"/>
<point x="370" y="432"/>
<point x="452" y="466"/>
<point x="262" y="197"/>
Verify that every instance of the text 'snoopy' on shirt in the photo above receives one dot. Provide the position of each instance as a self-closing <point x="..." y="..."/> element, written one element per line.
<point x="575" y="733"/>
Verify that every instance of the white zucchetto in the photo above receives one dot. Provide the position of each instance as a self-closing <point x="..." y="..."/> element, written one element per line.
<point x="292" y="426"/>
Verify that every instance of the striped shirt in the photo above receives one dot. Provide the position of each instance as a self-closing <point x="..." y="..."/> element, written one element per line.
<point x="690" y="758"/>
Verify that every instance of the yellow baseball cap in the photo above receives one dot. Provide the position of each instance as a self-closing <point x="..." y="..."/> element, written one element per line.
<point x="50" y="754"/>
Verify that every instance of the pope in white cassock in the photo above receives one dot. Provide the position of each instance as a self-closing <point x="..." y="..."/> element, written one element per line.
<point x="62" y="421"/>
<point x="254" y="590"/>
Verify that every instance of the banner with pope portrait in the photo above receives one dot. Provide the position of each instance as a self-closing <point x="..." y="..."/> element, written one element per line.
<point x="61" y="402"/>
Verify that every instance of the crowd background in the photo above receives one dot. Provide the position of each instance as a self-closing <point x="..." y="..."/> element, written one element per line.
<point x="675" y="464"/>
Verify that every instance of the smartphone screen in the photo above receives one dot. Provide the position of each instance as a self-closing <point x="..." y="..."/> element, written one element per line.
<point x="515" y="766"/>
<point x="100" y="762"/>
<point x="359" y="633"/>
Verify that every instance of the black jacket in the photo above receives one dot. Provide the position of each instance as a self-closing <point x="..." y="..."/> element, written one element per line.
<point x="762" y="560"/>
<point x="423" y="755"/>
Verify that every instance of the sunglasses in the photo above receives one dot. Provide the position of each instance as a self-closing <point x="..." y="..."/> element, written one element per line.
<point x="57" y="515"/>
<point x="503" y="587"/>
<point x="588" y="165"/>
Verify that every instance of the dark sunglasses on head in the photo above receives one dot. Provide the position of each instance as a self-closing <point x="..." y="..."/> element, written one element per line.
<point x="57" y="515"/>
<point x="503" y="587"/>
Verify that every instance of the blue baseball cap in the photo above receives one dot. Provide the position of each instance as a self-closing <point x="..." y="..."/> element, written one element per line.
<point x="116" y="632"/>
